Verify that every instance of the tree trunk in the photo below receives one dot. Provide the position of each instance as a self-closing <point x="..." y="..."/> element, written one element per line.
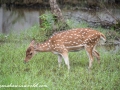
<point x="59" y="19"/>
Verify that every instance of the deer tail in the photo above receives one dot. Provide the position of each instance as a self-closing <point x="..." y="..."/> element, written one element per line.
<point x="102" y="36"/>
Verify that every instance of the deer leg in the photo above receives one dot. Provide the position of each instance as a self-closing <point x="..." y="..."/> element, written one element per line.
<point x="97" y="55"/>
<point x="66" y="59"/>
<point x="59" y="60"/>
<point x="89" y="52"/>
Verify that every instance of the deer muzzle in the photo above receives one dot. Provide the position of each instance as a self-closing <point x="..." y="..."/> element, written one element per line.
<point x="25" y="61"/>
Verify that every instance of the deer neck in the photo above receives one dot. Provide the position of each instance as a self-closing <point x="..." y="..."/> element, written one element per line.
<point x="44" y="47"/>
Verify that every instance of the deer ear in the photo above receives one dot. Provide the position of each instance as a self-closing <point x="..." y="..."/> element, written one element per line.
<point x="32" y="43"/>
<point x="36" y="45"/>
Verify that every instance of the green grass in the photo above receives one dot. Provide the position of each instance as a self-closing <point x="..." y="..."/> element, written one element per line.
<point x="43" y="69"/>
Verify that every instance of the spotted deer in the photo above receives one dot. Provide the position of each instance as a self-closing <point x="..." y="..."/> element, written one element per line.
<point x="70" y="40"/>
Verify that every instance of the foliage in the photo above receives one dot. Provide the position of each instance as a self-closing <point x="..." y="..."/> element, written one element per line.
<point x="47" y="21"/>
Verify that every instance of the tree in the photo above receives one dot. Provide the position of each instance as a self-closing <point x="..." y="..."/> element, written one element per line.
<point x="56" y="11"/>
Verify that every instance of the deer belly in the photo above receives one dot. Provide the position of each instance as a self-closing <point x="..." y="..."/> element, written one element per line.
<point x="74" y="48"/>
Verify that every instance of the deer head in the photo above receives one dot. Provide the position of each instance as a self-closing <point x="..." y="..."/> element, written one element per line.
<point x="31" y="51"/>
